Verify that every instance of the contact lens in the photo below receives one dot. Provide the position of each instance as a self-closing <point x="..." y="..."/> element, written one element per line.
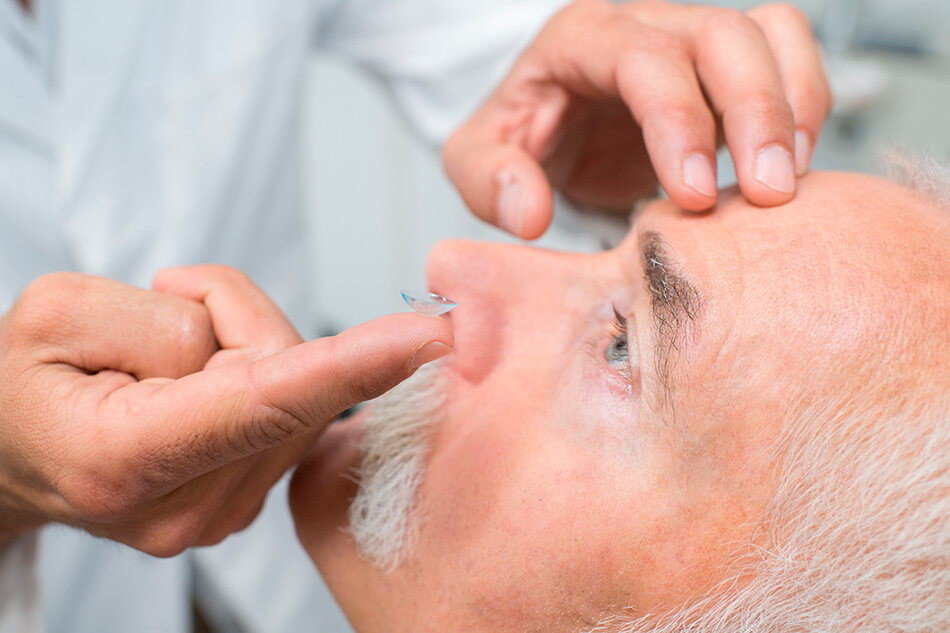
<point x="427" y="303"/>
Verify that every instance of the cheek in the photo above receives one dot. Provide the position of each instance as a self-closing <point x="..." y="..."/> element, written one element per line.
<point x="529" y="532"/>
<point x="516" y="524"/>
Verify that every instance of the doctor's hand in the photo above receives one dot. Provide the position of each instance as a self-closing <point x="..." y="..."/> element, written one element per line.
<point x="611" y="100"/>
<point x="160" y="419"/>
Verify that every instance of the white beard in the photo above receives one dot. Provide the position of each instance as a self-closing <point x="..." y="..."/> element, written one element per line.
<point x="395" y="444"/>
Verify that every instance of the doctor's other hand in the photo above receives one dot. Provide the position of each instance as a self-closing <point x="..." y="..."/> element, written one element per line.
<point x="612" y="99"/>
<point x="160" y="419"/>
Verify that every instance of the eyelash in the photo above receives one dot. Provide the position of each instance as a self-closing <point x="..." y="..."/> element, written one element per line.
<point x="620" y="322"/>
<point x="620" y="339"/>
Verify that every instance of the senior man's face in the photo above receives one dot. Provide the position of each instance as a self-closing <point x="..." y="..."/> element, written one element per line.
<point x="603" y="437"/>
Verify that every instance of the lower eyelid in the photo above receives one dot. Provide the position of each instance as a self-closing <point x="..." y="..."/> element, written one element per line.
<point x="632" y="333"/>
<point x="633" y="350"/>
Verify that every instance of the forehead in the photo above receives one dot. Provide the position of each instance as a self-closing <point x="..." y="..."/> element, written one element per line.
<point x="844" y="235"/>
<point x="845" y="278"/>
<point x="843" y="214"/>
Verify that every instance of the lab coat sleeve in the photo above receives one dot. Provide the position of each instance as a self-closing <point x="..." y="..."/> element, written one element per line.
<point x="439" y="59"/>
<point x="19" y="602"/>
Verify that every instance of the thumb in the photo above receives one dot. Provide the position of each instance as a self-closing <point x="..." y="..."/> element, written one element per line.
<point x="239" y="409"/>
<point x="501" y="183"/>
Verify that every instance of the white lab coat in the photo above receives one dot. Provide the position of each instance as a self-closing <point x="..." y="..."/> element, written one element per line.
<point x="141" y="134"/>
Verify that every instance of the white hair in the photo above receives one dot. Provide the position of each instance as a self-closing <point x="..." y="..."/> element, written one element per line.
<point x="395" y="444"/>
<point x="926" y="176"/>
<point x="856" y="538"/>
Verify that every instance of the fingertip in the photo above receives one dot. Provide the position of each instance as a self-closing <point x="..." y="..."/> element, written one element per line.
<point x="537" y="218"/>
<point x="699" y="175"/>
<point x="697" y="190"/>
<point x="179" y="280"/>
<point x="803" y="152"/>
<point x="524" y="205"/>
<point x="162" y="279"/>
<point x="501" y="183"/>
<point x="510" y="205"/>
<point x="405" y="333"/>
<point x="427" y="353"/>
<point x="693" y="202"/>
<point x="435" y="329"/>
<point x="693" y="186"/>
<point x="774" y="174"/>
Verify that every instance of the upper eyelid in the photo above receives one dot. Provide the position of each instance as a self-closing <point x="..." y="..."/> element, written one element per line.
<point x="626" y="326"/>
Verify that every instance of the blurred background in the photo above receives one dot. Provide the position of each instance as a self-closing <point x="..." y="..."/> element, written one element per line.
<point x="377" y="200"/>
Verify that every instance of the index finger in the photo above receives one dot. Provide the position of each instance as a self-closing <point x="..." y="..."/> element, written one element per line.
<point x="206" y="420"/>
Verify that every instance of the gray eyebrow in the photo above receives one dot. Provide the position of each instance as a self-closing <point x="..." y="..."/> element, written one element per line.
<point x="675" y="303"/>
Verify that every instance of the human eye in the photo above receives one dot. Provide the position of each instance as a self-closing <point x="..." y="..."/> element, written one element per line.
<point x="617" y="352"/>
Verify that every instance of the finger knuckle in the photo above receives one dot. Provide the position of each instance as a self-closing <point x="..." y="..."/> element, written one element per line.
<point x="222" y="274"/>
<point x="659" y="43"/>
<point x="233" y="275"/>
<point x="781" y="13"/>
<point x="824" y="96"/>
<point x="765" y="108"/>
<point x="578" y="17"/>
<point x="193" y="332"/>
<point x="193" y="321"/>
<point x="46" y="305"/>
<point x="173" y="534"/>
<point x="572" y="12"/>
<point x="160" y="545"/>
<point x="729" y="23"/>
<point x="675" y="115"/>
<point x="651" y="6"/>
<point x="273" y="423"/>
<point x="276" y="427"/>
<point x="235" y="520"/>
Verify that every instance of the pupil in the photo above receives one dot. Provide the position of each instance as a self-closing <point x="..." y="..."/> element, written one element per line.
<point x="618" y="349"/>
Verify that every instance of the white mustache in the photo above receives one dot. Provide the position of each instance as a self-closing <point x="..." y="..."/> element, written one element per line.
<point x="395" y="444"/>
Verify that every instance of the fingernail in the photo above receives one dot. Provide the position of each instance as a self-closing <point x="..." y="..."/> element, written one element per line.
<point x="698" y="175"/>
<point x="774" y="169"/>
<point x="510" y="203"/>
<point x="802" y="152"/>
<point x="428" y="353"/>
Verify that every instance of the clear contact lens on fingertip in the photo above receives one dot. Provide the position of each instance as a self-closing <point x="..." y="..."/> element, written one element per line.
<point x="427" y="303"/>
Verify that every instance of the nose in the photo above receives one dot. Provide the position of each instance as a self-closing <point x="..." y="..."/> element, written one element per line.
<point x="501" y="290"/>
